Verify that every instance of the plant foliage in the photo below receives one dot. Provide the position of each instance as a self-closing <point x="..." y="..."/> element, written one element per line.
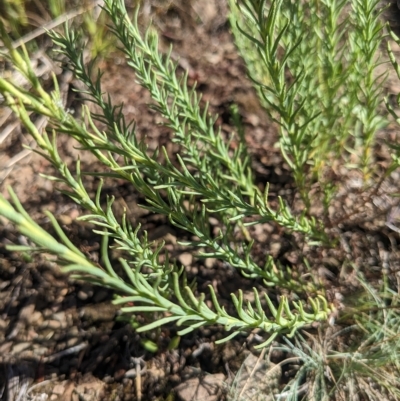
<point x="314" y="65"/>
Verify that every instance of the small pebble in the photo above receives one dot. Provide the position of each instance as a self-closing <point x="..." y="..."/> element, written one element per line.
<point x="186" y="258"/>
<point x="51" y="324"/>
<point x="210" y="263"/>
<point x="47" y="313"/>
<point x="4" y="323"/>
<point x="83" y="296"/>
<point x="40" y="350"/>
<point x="36" y="318"/>
<point x="85" y="293"/>
<point x="72" y="341"/>
<point x="59" y="389"/>
<point x="60" y="316"/>
<point x="27" y="311"/>
<point x="108" y="379"/>
<point x="18" y="348"/>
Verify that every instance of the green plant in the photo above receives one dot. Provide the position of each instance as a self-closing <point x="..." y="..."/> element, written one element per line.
<point x="316" y="80"/>
<point x="356" y="360"/>
<point x="14" y="12"/>
<point x="314" y="67"/>
<point x="211" y="178"/>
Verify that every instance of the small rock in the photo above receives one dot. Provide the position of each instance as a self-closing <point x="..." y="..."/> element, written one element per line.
<point x="85" y="292"/>
<point x="31" y="335"/>
<point x="59" y="389"/>
<point x="27" y="311"/>
<point x="83" y="295"/>
<point x="18" y="348"/>
<point x="36" y="318"/>
<point x="51" y="324"/>
<point x="73" y="331"/>
<point x="275" y="248"/>
<point x="40" y="350"/>
<point x="216" y="380"/>
<point x="72" y="341"/>
<point x="126" y="381"/>
<point x="258" y="379"/>
<point x="108" y="379"/>
<point x="103" y="312"/>
<point x="192" y="269"/>
<point x="210" y="263"/>
<point x="206" y="10"/>
<point x="253" y="119"/>
<point x="208" y="388"/>
<point x="68" y="391"/>
<point x="4" y="285"/>
<point x="63" y="292"/>
<point x="5" y="347"/>
<point x="61" y="318"/>
<point x="47" y="313"/>
<point x="4" y="323"/>
<point x="65" y="219"/>
<point x="186" y="259"/>
<point x="92" y="390"/>
<point x="213" y="221"/>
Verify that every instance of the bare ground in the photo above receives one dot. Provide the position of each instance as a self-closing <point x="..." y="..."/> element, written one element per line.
<point x="63" y="340"/>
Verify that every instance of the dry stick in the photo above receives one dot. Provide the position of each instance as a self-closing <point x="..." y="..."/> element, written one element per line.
<point x="252" y="372"/>
<point x="69" y="351"/>
<point x="45" y="382"/>
<point x="138" y="382"/>
<point x="138" y="378"/>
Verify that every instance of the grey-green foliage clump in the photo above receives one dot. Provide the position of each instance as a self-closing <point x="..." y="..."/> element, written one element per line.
<point x="316" y="80"/>
<point x="314" y="66"/>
